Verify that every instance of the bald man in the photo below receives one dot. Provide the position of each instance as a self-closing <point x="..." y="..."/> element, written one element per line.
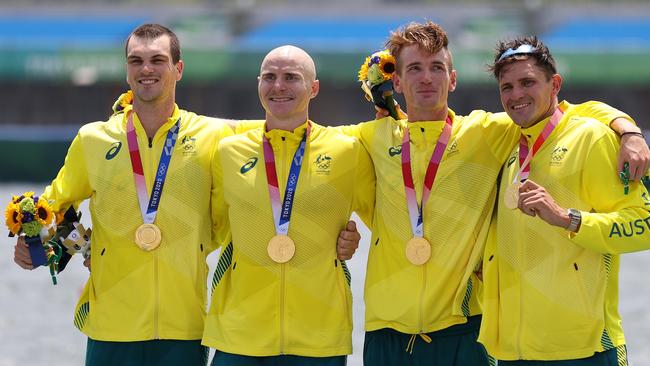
<point x="280" y="294"/>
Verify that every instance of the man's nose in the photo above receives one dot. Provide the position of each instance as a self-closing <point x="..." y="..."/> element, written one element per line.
<point x="427" y="77"/>
<point x="279" y="84"/>
<point x="147" y="68"/>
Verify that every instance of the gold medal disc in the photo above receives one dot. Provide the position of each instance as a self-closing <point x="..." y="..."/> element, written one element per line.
<point x="511" y="196"/>
<point x="281" y="248"/>
<point x="418" y="251"/>
<point x="148" y="237"/>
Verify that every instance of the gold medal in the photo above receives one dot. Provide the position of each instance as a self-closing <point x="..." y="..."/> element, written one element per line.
<point x="418" y="251"/>
<point x="281" y="248"/>
<point x="511" y="196"/>
<point x="148" y="237"/>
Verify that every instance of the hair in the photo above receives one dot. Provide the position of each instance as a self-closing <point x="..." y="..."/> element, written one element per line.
<point x="540" y="53"/>
<point x="153" y="31"/>
<point x="429" y="37"/>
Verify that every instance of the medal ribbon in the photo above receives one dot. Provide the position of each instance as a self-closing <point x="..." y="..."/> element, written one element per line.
<point x="149" y="207"/>
<point x="282" y="212"/>
<point x="415" y="210"/>
<point x="525" y="156"/>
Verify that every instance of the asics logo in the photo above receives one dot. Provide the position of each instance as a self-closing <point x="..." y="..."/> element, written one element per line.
<point x="250" y="164"/>
<point x="113" y="150"/>
<point x="395" y="150"/>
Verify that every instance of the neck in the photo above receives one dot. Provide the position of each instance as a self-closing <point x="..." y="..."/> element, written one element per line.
<point x="437" y="114"/>
<point x="284" y="124"/>
<point x="153" y="115"/>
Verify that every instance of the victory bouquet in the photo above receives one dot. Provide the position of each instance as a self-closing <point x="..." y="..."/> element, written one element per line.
<point x="52" y="239"/>
<point x="376" y="77"/>
<point x="122" y="102"/>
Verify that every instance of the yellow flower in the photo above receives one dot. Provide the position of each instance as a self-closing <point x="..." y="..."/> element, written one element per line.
<point x="13" y="218"/>
<point x="44" y="213"/>
<point x="363" y="71"/>
<point x="127" y="99"/>
<point x="386" y="64"/>
<point x="17" y="199"/>
<point x="123" y="101"/>
<point x="382" y="65"/>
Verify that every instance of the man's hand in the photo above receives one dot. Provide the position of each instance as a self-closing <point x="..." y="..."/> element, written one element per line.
<point x="21" y="254"/>
<point x="348" y="241"/>
<point x="634" y="149"/>
<point x="534" y="200"/>
<point x="381" y="113"/>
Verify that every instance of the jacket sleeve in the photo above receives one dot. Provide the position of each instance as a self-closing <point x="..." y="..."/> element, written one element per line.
<point x="71" y="185"/>
<point x="618" y="222"/>
<point x="499" y="132"/>
<point x="221" y="234"/>
<point x="600" y="111"/>
<point x="364" y="187"/>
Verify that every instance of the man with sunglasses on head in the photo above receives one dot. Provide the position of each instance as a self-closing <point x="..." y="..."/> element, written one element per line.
<point x="563" y="218"/>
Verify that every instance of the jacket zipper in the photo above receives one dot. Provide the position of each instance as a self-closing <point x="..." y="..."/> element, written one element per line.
<point x="424" y="284"/>
<point x="156" y="288"/>
<point x="521" y="260"/>
<point x="421" y="156"/>
<point x="282" y="187"/>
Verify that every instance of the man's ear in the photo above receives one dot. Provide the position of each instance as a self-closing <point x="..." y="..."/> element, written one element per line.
<point x="452" y="80"/>
<point x="315" y="88"/>
<point x="557" y="84"/>
<point x="179" y="69"/>
<point x="397" y="82"/>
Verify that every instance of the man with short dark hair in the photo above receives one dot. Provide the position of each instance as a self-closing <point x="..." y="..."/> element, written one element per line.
<point x="563" y="217"/>
<point x="144" y="303"/>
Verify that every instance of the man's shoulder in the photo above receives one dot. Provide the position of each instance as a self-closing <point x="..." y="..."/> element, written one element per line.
<point x="332" y="133"/>
<point x="202" y="121"/>
<point x="110" y="126"/>
<point x="588" y="123"/>
<point x="199" y="125"/>
<point x="481" y="118"/>
<point x="588" y="130"/>
<point x="246" y="138"/>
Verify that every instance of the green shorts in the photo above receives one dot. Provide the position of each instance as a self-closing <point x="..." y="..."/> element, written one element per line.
<point x="229" y="359"/>
<point x="453" y="346"/>
<point x="613" y="357"/>
<point x="161" y="352"/>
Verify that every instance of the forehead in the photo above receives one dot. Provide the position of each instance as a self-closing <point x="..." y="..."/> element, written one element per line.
<point x="283" y="64"/>
<point x="414" y="53"/>
<point x="521" y="69"/>
<point x="144" y="46"/>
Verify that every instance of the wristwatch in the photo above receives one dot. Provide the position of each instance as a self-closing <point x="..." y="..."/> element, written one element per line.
<point x="576" y="219"/>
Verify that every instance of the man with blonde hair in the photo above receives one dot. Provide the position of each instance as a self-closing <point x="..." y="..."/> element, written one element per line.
<point x="436" y="188"/>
